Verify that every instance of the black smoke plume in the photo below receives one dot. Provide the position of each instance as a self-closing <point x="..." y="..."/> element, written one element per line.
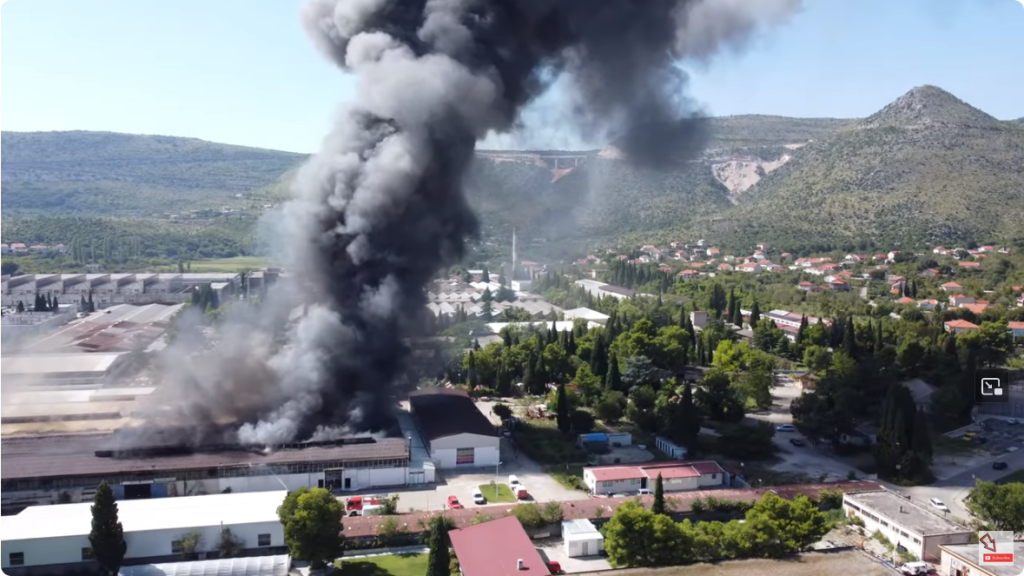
<point x="380" y="209"/>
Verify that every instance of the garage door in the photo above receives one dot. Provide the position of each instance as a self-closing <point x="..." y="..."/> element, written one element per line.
<point x="464" y="456"/>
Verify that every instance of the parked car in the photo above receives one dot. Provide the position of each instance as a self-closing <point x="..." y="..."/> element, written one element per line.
<point x="453" y="503"/>
<point x="785" y="428"/>
<point x="1000" y="465"/>
<point x="1013" y="422"/>
<point x="644" y="492"/>
<point x="938" y="504"/>
<point x="478" y="497"/>
<point x="520" y="492"/>
<point x="512" y="481"/>
<point x="554" y="567"/>
<point x="796" y="442"/>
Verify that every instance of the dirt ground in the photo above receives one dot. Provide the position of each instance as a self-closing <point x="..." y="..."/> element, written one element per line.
<point x="814" y="564"/>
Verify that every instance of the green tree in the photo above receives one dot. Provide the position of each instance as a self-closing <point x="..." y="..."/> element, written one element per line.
<point x="628" y="536"/>
<point x="755" y="314"/>
<point x="562" y="410"/>
<point x="658" y="506"/>
<point x="613" y="379"/>
<point x="581" y="421"/>
<point x="311" y="518"/>
<point x="228" y="545"/>
<point x="439" y="560"/>
<point x="611" y="406"/>
<point x="106" y="538"/>
<point x="998" y="506"/>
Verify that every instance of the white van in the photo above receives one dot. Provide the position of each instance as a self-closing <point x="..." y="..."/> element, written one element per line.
<point x="513" y="481"/>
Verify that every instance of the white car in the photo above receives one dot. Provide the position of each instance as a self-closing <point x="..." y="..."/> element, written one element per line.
<point x="478" y="497"/>
<point x="785" y="428"/>
<point x="938" y="504"/>
<point x="644" y="492"/>
<point x="512" y="481"/>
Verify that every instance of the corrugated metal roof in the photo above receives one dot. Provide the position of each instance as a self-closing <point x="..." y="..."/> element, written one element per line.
<point x="252" y="566"/>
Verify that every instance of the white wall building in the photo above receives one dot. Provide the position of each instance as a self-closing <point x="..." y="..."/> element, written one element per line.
<point x="153" y="529"/>
<point x="676" y="477"/>
<point x="581" y="538"/>
<point x="455" y="432"/>
<point x="907" y="525"/>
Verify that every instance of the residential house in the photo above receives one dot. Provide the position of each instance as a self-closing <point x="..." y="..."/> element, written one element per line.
<point x="940" y="250"/>
<point x="763" y="247"/>
<point x="976" y="308"/>
<point x="725" y="267"/>
<point x="960" y="326"/>
<point x="751" y="267"/>
<point x="969" y="265"/>
<point x="689" y="274"/>
<point x="838" y="285"/>
<point x="699" y="318"/>
<point x="927" y="304"/>
<point x="19" y="248"/>
<point x="891" y="256"/>
<point x="805" y="286"/>
<point x="930" y="273"/>
<point x="856" y="258"/>
<point x="987" y="249"/>
<point x="959" y="300"/>
<point x="786" y="255"/>
<point x="952" y="287"/>
<point x="904" y="301"/>
<point x="878" y="257"/>
<point x="1016" y="329"/>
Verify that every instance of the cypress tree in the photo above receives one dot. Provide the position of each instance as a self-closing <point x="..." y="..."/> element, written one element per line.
<point x="613" y="379"/>
<point x="107" y="535"/>
<point x="439" y="560"/>
<point x="755" y="314"/>
<point x="682" y="316"/>
<point x="21" y="306"/>
<point x="562" y="413"/>
<point x="849" y="339"/>
<point x="658" y="506"/>
<point x="922" y="441"/>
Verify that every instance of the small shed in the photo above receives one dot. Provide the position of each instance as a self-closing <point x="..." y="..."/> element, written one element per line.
<point x="581" y="538"/>
<point x="596" y="442"/>
<point x="619" y="439"/>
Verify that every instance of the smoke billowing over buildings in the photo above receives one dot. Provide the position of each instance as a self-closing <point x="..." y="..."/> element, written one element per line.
<point x="380" y="209"/>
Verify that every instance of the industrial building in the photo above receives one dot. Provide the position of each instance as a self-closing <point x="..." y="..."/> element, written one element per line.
<point x="277" y="565"/>
<point x="61" y="369"/>
<point x="675" y="476"/>
<point x="56" y="538"/>
<point x="107" y="289"/>
<point x="117" y="328"/>
<point x="455" y="432"/>
<point x="962" y="560"/>
<point x="38" y="469"/>
<point x="908" y="526"/>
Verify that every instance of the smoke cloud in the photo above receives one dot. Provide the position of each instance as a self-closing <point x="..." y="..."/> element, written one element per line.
<point x="380" y="209"/>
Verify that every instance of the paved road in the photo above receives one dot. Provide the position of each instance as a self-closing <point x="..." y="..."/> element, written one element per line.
<point x="954" y="489"/>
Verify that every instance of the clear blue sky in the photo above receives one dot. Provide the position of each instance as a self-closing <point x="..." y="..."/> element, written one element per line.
<point x="242" y="72"/>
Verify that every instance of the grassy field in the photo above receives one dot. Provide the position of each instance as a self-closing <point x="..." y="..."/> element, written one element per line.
<point x="392" y="565"/>
<point x="504" y="493"/>
<point x="236" y="264"/>
<point x="544" y="444"/>
<point x="1017" y="476"/>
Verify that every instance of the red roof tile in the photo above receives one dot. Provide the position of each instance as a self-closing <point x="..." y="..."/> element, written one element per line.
<point x="494" y="548"/>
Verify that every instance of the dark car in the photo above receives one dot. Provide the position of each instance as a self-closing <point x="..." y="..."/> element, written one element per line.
<point x="1000" y="465"/>
<point x="796" y="442"/>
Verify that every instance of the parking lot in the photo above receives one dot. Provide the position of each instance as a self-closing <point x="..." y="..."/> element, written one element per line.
<point x="541" y="486"/>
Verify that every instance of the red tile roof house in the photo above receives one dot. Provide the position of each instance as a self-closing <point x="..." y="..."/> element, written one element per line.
<point x="677" y="477"/>
<point x="960" y="326"/>
<point x="496" y="548"/>
<point x="951" y="287"/>
<point x="1016" y="329"/>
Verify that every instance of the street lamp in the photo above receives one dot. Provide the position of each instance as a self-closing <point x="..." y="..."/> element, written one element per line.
<point x="496" y="480"/>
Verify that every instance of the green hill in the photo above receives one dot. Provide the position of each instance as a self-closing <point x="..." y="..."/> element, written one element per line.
<point x="105" y="173"/>
<point x="927" y="167"/>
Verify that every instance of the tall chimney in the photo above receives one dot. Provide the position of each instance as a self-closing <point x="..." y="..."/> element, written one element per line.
<point x="519" y="564"/>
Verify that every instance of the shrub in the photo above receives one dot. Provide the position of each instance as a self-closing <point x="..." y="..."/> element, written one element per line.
<point x="830" y="499"/>
<point x="529" y="515"/>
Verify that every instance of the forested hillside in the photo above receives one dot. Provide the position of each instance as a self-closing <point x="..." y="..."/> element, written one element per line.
<point x="105" y="173"/>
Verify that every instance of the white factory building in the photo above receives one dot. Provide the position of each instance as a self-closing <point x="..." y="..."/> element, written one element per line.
<point x="153" y="529"/>
<point x="908" y="526"/>
<point x="107" y="289"/>
<point x="455" y="432"/>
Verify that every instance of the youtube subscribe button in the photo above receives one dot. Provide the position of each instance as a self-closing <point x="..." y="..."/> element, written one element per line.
<point x="998" y="558"/>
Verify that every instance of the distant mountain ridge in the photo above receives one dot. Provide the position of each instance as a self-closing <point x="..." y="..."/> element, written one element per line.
<point x="926" y="167"/>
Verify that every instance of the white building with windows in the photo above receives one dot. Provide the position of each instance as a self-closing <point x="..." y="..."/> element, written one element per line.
<point x="675" y="476"/>
<point x="908" y="526"/>
<point x="454" y="431"/>
<point x="57" y="537"/>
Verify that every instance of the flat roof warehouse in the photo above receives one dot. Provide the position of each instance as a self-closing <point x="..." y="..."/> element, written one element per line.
<point x="40" y="460"/>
